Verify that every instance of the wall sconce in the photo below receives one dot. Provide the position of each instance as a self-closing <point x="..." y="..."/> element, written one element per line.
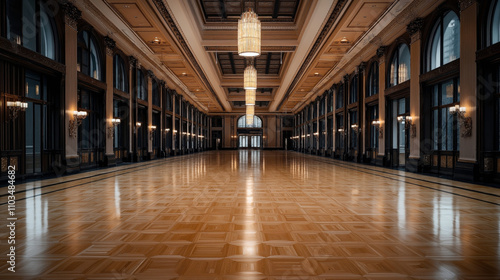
<point x="15" y="107"/>
<point x="114" y="123"/>
<point x="175" y="131"/>
<point x="355" y="128"/>
<point x="78" y="117"/>
<point x="378" y="124"/>
<point x="167" y="130"/>
<point x="137" y="126"/>
<point x="316" y="134"/>
<point x="464" y="122"/>
<point x="152" y="130"/>
<point x="409" y="125"/>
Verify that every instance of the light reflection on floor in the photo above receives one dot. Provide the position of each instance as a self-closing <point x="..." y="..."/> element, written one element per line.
<point x="253" y="214"/>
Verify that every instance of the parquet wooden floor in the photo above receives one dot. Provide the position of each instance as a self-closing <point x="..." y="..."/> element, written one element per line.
<point x="252" y="215"/>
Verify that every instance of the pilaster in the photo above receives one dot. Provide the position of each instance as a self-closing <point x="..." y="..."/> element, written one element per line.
<point x="414" y="29"/>
<point x="110" y="45"/>
<point x="381" y="100"/>
<point x="71" y="17"/>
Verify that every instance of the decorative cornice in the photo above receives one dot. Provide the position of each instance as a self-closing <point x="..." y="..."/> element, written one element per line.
<point x="10" y="49"/>
<point x="183" y="44"/>
<point x="319" y="41"/>
<point x="71" y="14"/>
<point x="415" y="26"/>
<point x="110" y="45"/>
<point x="464" y="4"/>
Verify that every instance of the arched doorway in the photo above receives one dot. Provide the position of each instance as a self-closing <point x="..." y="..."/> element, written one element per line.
<point x="250" y="136"/>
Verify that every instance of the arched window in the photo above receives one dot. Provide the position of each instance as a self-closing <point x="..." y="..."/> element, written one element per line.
<point x="29" y="23"/>
<point x="444" y="43"/>
<point x="120" y="80"/>
<point x="257" y="122"/>
<point x="89" y="60"/>
<point x="372" y="87"/>
<point x="400" y="66"/>
<point x="494" y="23"/>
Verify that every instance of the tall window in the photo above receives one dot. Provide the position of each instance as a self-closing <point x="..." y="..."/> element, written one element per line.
<point x="330" y="101"/>
<point x="120" y="80"/>
<point x="372" y="87"/>
<point x="29" y="23"/>
<point x="494" y="23"/>
<point x="339" y="101"/>
<point x="89" y="61"/>
<point x="444" y="46"/>
<point x="444" y="129"/>
<point x="142" y="86"/>
<point x="257" y="122"/>
<point x="353" y="94"/>
<point x="400" y="66"/>
<point x="156" y="93"/>
<point x="353" y="136"/>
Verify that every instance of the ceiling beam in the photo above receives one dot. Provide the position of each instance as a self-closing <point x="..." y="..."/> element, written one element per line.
<point x="231" y="59"/>
<point x="276" y="8"/>
<point x="268" y="62"/>
<point x="222" y="7"/>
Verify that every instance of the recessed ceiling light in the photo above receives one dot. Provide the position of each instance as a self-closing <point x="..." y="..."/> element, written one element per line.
<point x="156" y="40"/>
<point x="183" y="73"/>
<point x="316" y="74"/>
<point x="344" y="40"/>
<point x="126" y="6"/>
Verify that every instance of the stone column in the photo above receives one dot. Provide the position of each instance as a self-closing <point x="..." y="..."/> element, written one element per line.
<point x="464" y="168"/>
<point x="110" y="45"/>
<point x="150" y="77"/>
<point x="381" y="104"/>
<point x="414" y="29"/>
<point x="71" y="17"/>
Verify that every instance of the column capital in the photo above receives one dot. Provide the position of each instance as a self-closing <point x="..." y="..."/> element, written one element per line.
<point x="110" y="45"/>
<point x="381" y="51"/>
<point x="71" y="15"/>
<point x="150" y="74"/>
<point x="132" y="61"/>
<point x="464" y="4"/>
<point x="361" y="67"/>
<point x="414" y="29"/>
<point x="346" y="78"/>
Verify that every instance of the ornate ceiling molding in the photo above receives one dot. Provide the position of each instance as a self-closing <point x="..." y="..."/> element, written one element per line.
<point x="139" y="52"/>
<point x="164" y="11"/>
<point x="319" y="42"/>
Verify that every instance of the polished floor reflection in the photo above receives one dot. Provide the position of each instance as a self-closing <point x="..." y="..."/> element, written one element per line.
<point x="253" y="215"/>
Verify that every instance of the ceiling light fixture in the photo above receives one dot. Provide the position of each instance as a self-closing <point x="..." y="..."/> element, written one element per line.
<point x="250" y="78"/>
<point x="249" y="36"/>
<point x="250" y="111"/>
<point x="250" y="96"/>
<point x="344" y="40"/>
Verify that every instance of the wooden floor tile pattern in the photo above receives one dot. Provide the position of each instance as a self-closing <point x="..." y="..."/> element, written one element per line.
<point x="253" y="215"/>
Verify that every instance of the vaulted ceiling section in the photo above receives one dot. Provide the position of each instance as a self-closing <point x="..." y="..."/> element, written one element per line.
<point x="303" y="43"/>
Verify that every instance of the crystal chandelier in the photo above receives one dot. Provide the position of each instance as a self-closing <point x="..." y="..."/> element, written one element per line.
<point x="250" y="78"/>
<point x="250" y="96"/>
<point x="249" y="34"/>
<point x="250" y="114"/>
